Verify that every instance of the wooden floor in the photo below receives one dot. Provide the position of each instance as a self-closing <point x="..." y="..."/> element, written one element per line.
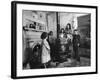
<point x="72" y="63"/>
<point x="85" y="60"/>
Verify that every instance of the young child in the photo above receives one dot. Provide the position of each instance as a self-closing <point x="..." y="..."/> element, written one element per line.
<point x="76" y="43"/>
<point x="45" y="56"/>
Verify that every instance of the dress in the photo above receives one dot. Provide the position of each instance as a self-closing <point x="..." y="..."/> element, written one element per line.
<point x="45" y="57"/>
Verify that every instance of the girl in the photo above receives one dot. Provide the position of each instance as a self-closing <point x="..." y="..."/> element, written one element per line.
<point x="45" y="56"/>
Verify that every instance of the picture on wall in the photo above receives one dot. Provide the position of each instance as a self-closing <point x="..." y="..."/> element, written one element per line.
<point x="53" y="39"/>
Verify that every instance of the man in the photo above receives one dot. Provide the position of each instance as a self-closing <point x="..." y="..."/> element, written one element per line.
<point x="76" y="43"/>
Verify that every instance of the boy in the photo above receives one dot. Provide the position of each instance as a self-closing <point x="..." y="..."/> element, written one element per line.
<point x="76" y="43"/>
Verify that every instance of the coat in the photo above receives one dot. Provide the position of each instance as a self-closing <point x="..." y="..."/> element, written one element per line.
<point x="76" y="40"/>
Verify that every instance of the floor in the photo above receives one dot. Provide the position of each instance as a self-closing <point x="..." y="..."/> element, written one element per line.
<point x="70" y="62"/>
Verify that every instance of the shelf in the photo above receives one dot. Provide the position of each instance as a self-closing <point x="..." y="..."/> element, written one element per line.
<point x="37" y="21"/>
<point x="30" y="29"/>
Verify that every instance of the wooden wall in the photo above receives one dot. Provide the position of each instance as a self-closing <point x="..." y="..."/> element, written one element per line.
<point x="84" y="25"/>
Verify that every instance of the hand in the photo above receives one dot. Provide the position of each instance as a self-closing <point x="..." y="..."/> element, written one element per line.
<point x="78" y="44"/>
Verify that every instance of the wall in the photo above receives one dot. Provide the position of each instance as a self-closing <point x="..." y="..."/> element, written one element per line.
<point x="37" y="16"/>
<point x="66" y="18"/>
<point x="84" y="25"/>
<point x="32" y="36"/>
<point x="52" y="23"/>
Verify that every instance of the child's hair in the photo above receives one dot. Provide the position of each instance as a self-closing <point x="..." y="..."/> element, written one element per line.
<point x="75" y="30"/>
<point x="44" y="35"/>
<point x="69" y="26"/>
<point x="50" y="33"/>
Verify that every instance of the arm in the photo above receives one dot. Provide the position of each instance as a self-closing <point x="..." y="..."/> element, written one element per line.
<point x="78" y="40"/>
<point x="46" y="45"/>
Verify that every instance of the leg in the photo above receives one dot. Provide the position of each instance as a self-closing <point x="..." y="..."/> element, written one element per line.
<point x="45" y="65"/>
<point x="74" y="50"/>
<point x="77" y="55"/>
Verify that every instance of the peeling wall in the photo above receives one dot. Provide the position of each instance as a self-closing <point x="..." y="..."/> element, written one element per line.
<point x="66" y="18"/>
<point x="52" y="24"/>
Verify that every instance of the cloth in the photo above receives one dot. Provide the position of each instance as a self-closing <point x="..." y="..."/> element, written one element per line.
<point x="45" y="57"/>
<point x="76" y="42"/>
<point x="76" y="54"/>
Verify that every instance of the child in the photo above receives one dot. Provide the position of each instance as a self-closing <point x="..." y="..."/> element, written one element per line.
<point x="76" y="43"/>
<point x="45" y="56"/>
